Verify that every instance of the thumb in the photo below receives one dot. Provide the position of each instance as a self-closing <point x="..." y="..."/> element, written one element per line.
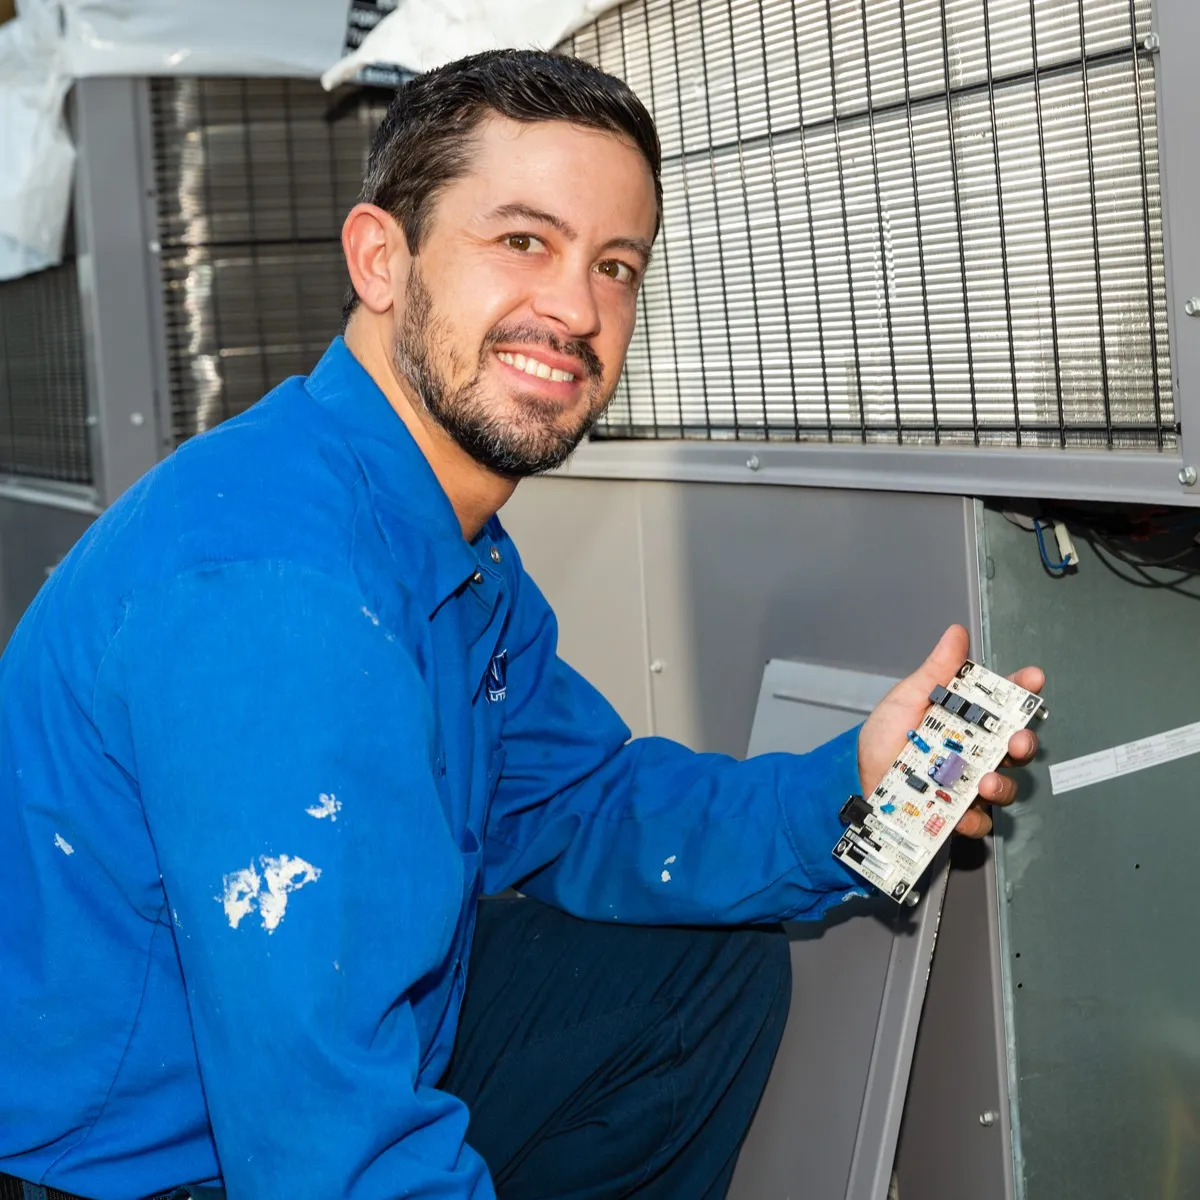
<point x="945" y="658"/>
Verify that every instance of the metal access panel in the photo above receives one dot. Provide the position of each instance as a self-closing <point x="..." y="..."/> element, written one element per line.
<point x="829" y="1121"/>
<point x="1097" y="884"/>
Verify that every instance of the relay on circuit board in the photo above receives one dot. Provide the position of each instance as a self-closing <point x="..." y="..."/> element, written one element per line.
<point x="895" y="833"/>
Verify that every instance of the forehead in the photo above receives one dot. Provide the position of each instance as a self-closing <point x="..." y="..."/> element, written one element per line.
<point x="598" y="182"/>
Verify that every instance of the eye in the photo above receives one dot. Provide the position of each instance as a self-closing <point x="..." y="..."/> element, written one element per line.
<point x="613" y="268"/>
<point x="524" y="243"/>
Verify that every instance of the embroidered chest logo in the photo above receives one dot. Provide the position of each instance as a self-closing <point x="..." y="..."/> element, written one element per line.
<point x="497" y="677"/>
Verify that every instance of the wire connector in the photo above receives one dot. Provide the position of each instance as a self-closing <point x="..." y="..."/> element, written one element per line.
<point x="1066" y="547"/>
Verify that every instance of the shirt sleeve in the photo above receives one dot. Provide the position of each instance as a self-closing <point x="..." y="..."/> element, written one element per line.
<point x="646" y="830"/>
<point x="282" y="742"/>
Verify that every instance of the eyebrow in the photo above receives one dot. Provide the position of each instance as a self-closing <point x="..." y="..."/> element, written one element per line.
<point x="527" y="212"/>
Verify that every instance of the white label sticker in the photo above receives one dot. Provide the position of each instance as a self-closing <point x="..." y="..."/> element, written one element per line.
<point x="1121" y="760"/>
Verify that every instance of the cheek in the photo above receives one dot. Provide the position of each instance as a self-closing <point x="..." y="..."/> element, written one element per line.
<point x="618" y="318"/>
<point x="476" y="295"/>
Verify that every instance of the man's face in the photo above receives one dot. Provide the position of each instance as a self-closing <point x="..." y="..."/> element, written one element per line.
<point x="514" y="320"/>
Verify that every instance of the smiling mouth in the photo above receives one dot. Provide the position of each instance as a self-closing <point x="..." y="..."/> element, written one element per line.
<point x="535" y="367"/>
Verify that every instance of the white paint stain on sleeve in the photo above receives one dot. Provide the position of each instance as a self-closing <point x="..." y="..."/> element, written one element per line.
<point x="281" y="875"/>
<point x="666" y="877"/>
<point x="241" y="892"/>
<point x="65" y="846"/>
<point x="668" y="861"/>
<point x="328" y="805"/>
<point x="366" y="612"/>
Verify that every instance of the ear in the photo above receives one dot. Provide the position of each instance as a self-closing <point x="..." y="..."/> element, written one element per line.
<point x="376" y="256"/>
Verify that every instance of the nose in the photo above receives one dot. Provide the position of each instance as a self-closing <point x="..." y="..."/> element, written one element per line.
<point x="567" y="300"/>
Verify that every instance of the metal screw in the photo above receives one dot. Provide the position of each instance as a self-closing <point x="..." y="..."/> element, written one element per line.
<point x="1191" y="306"/>
<point x="988" y="1119"/>
<point x="136" y="419"/>
<point x="753" y="463"/>
<point x="154" y="246"/>
<point x="1151" y="41"/>
<point x="1187" y="476"/>
<point x="92" y="421"/>
<point x="656" y="667"/>
<point x="1008" y="891"/>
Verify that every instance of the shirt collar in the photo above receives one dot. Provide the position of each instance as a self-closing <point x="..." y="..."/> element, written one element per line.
<point x="406" y="494"/>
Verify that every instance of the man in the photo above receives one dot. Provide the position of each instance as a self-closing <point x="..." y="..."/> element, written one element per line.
<point x="292" y="705"/>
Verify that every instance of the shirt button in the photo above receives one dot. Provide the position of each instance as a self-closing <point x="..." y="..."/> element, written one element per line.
<point x="495" y="555"/>
<point x="477" y="577"/>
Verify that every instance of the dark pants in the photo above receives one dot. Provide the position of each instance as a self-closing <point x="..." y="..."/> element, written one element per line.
<point x="605" y="1060"/>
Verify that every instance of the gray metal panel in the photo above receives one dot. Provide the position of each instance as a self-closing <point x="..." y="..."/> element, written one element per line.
<point x="581" y="542"/>
<point x="959" y="1068"/>
<point x="958" y="1075"/>
<point x="803" y="702"/>
<point x="33" y="538"/>
<point x="117" y="280"/>
<point x="736" y="576"/>
<point x="829" y="1120"/>
<point x="969" y="471"/>
<point x="1100" y="924"/>
<point x="1177" y="24"/>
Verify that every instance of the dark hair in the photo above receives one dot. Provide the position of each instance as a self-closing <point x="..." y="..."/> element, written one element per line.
<point x="424" y="141"/>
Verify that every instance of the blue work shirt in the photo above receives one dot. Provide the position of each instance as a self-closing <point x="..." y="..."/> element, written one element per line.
<point x="265" y="735"/>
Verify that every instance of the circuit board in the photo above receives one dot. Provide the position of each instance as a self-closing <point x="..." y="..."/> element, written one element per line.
<point x="894" y="834"/>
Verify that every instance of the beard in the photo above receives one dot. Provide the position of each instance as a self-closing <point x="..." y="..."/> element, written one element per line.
<point x="515" y="436"/>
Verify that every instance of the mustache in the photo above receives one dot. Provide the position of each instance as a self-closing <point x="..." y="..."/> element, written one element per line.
<point x="535" y="335"/>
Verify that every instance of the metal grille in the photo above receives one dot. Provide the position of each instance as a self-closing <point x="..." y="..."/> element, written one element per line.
<point x="254" y="179"/>
<point x="931" y="221"/>
<point x="43" y="405"/>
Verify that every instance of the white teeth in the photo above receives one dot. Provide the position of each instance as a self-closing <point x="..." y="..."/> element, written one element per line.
<point x="531" y="366"/>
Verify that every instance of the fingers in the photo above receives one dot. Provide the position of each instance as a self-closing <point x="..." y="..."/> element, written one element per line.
<point x="975" y="823"/>
<point x="1021" y="749"/>
<point x="1032" y="679"/>
<point x="997" y="789"/>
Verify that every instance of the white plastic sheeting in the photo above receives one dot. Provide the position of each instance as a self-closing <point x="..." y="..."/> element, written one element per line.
<point x="36" y="155"/>
<point x="422" y="34"/>
<point x="52" y="42"/>
<point x="295" y="38"/>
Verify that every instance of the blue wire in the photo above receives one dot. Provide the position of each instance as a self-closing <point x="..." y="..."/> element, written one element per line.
<point x="1062" y="565"/>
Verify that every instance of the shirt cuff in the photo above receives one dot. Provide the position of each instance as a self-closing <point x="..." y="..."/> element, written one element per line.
<point x="812" y="794"/>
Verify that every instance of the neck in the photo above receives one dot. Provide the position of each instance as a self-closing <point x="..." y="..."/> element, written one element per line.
<point x="475" y="493"/>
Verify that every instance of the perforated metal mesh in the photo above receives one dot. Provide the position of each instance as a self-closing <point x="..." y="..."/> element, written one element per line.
<point x="922" y="221"/>
<point x="43" y="405"/>
<point x="254" y="179"/>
